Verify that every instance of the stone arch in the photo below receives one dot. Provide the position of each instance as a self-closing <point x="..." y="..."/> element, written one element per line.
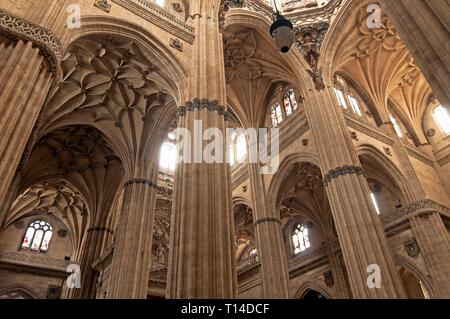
<point x="134" y="75"/>
<point x="314" y="285"/>
<point x="417" y="271"/>
<point x="290" y="69"/>
<point x="55" y="200"/>
<point x="396" y="110"/>
<point x="109" y="26"/>
<point x="389" y="168"/>
<point x="334" y="37"/>
<point x="364" y="96"/>
<point x="275" y="187"/>
<point x="242" y="201"/>
<point x="23" y="290"/>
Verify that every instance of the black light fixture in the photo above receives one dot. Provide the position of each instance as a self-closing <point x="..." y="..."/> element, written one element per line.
<point x="282" y="30"/>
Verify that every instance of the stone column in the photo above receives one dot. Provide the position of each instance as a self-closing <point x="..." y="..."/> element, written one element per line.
<point x="424" y="27"/>
<point x="24" y="83"/>
<point x="416" y="191"/>
<point x="93" y="247"/>
<point x="132" y="252"/>
<point x="340" y="282"/>
<point x="202" y="254"/>
<point x="434" y="243"/>
<point x="29" y="56"/>
<point x="359" y="229"/>
<point x="269" y="241"/>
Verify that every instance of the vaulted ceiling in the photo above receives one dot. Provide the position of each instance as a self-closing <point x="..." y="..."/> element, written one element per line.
<point x="377" y="60"/>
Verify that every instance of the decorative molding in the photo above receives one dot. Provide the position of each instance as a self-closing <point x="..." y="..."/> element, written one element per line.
<point x="105" y="260"/>
<point x="419" y="207"/>
<point x="328" y="278"/>
<point x="103" y="5"/>
<point x="418" y="155"/>
<point x="159" y="17"/>
<point x="368" y="130"/>
<point x="444" y="160"/>
<point x="176" y="44"/>
<point x="34" y="260"/>
<point x="342" y="171"/>
<point x="202" y="104"/>
<point x="139" y="181"/>
<point x="239" y="175"/>
<point x="412" y="248"/>
<point x="431" y="132"/>
<point x="101" y="229"/>
<point x="267" y="220"/>
<point x="16" y="28"/>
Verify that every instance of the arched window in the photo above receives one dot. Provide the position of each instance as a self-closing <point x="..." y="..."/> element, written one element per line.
<point x="168" y="154"/>
<point x="283" y="106"/>
<point x="276" y="115"/>
<point x="340" y="97"/>
<point x="290" y="102"/>
<point x="355" y="105"/>
<point x="396" y="124"/>
<point x="443" y="118"/>
<point x="300" y="238"/>
<point x="37" y="237"/>
<point x="347" y="96"/>
<point x="237" y="148"/>
<point x="375" y="203"/>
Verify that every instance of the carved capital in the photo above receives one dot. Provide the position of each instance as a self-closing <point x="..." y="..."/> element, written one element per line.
<point x="341" y="171"/>
<point x="141" y="181"/>
<point x="267" y="220"/>
<point x="16" y="28"/>
<point x="202" y="104"/>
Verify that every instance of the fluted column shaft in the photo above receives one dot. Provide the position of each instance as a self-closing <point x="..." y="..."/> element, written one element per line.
<point x="424" y="26"/>
<point x="132" y="252"/>
<point x="434" y="243"/>
<point x="359" y="229"/>
<point x="269" y="241"/>
<point x="24" y="83"/>
<point x="202" y="257"/>
<point x="202" y="252"/>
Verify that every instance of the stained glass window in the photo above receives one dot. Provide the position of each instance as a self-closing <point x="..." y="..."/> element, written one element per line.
<point x="276" y="115"/>
<point x="290" y="102"/>
<point x="300" y="238"/>
<point x="37" y="237"/>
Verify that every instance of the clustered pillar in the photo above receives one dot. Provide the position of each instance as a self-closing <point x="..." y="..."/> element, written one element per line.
<point x="202" y="250"/>
<point x="359" y="229"/>
<point x="132" y="251"/>
<point x="269" y="241"/>
<point x="24" y="83"/>
<point x="434" y="243"/>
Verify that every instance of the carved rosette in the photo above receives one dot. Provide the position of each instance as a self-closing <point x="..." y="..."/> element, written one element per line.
<point x="16" y="28"/>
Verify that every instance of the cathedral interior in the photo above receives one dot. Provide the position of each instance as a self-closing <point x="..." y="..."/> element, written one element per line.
<point x="95" y="205"/>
